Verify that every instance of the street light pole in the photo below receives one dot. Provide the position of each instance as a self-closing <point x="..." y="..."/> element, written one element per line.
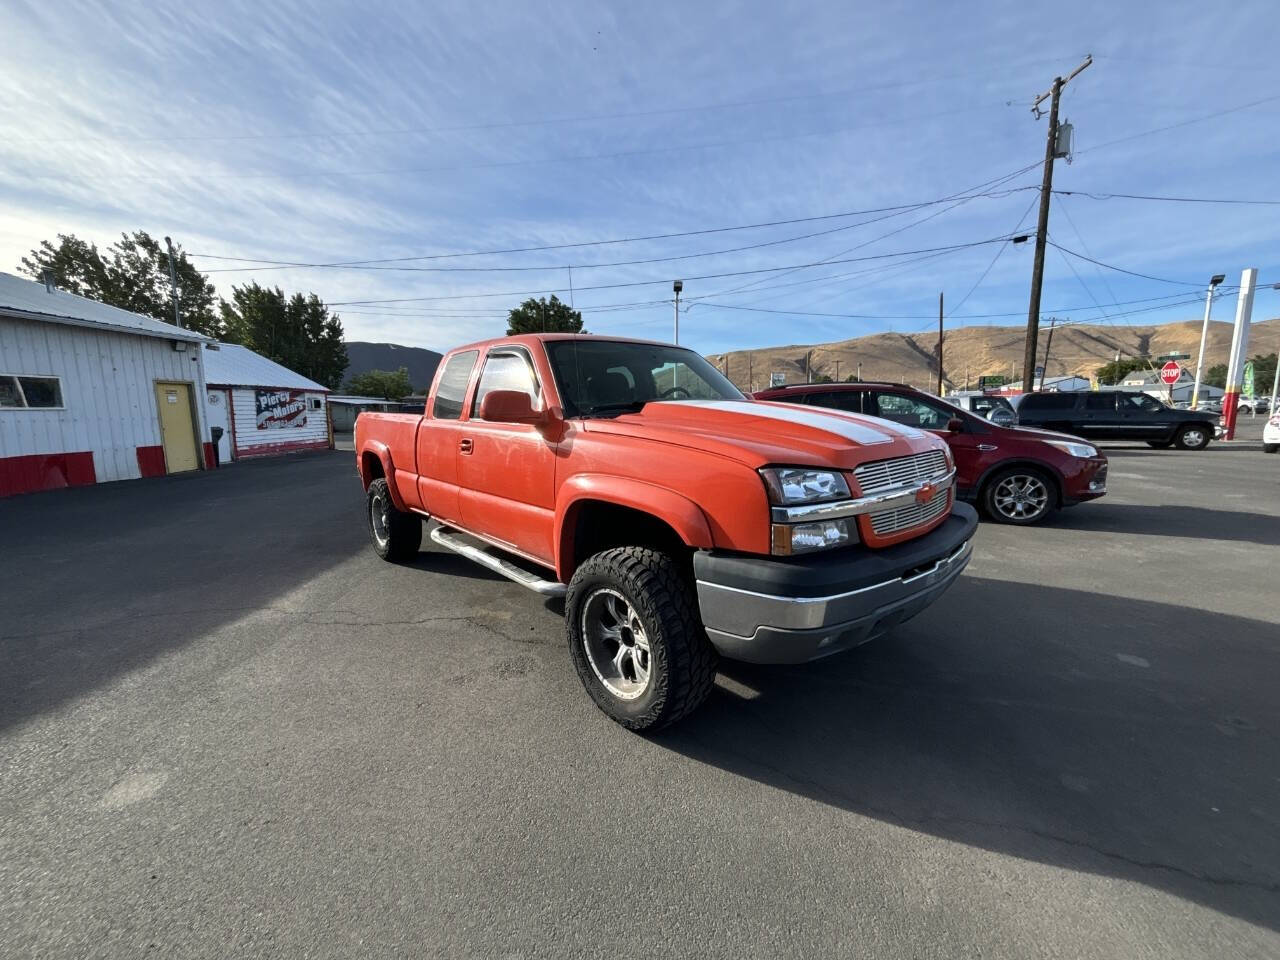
<point x="677" y="287"/>
<point x="1204" y="333"/>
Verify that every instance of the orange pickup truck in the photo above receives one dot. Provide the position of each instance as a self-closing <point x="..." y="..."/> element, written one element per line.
<point x="678" y="519"/>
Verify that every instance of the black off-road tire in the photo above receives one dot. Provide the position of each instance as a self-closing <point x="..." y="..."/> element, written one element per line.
<point x="1205" y="432"/>
<point x="403" y="531"/>
<point x="682" y="660"/>
<point x="992" y="489"/>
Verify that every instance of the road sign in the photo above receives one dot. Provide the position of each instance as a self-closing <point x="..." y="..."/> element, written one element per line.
<point x="1166" y="357"/>
<point x="986" y="383"/>
<point x="777" y="379"/>
<point x="1171" y="373"/>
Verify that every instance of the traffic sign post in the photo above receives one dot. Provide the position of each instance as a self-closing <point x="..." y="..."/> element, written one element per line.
<point x="1170" y="374"/>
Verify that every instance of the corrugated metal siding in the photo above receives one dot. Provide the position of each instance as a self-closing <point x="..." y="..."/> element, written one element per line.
<point x="108" y="388"/>
<point x="249" y="436"/>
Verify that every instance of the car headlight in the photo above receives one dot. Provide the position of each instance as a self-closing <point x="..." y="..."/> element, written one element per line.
<point x="1071" y="449"/>
<point x="792" y="485"/>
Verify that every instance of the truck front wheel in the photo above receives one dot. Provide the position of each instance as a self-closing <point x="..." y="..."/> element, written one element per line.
<point x="396" y="535"/>
<point x="635" y="637"/>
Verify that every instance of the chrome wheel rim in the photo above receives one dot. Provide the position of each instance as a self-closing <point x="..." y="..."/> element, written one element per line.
<point x="379" y="519"/>
<point x="616" y="644"/>
<point x="1021" y="497"/>
<point x="1193" y="438"/>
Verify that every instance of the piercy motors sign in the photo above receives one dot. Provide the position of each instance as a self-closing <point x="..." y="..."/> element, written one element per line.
<point x="280" y="408"/>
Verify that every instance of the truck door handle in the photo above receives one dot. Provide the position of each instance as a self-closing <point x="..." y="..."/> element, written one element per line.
<point x="464" y="445"/>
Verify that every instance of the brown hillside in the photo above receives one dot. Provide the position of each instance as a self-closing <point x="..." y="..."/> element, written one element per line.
<point x="976" y="351"/>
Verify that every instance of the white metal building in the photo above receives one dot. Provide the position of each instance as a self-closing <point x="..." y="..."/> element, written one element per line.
<point x="90" y="392"/>
<point x="263" y="408"/>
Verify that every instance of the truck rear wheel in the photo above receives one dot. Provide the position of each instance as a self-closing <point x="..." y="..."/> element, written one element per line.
<point x="396" y="535"/>
<point x="635" y="637"/>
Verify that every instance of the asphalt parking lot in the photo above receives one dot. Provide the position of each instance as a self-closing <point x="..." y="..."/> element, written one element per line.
<point x="228" y="729"/>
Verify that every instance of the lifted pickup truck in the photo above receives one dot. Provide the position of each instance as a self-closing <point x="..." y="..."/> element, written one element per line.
<point x="677" y="518"/>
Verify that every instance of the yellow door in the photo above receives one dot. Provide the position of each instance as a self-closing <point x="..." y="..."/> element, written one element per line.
<point x="177" y="429"/>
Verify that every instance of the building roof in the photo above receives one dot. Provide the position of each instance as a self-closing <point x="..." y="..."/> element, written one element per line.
<point x="231" y="365"/>
<point x="30" y="300"/>
<point x="1049" y="382"/>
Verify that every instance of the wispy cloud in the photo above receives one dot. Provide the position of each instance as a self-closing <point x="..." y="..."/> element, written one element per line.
<point x="295" y="132"/>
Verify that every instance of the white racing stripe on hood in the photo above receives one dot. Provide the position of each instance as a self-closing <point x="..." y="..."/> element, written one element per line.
<point x="831" y="421"/>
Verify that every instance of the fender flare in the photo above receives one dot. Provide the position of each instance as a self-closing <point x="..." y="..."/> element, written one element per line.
<point x="383" y="453"/>
<point x="674" y="509"/>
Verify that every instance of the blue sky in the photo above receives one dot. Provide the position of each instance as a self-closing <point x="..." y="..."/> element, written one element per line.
<point x="319" y="133"/>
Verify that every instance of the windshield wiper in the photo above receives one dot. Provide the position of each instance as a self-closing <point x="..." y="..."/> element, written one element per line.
<point x="630" y="406"/>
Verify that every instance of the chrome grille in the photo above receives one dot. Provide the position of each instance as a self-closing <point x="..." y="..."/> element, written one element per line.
<point x="874" y="477"/>
<point x="917" y="514"/>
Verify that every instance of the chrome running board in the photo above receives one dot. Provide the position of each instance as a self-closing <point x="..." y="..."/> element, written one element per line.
<point x="451" y="540"/>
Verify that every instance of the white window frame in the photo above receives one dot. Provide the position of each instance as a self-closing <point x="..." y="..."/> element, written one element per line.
<point x="17" y="379"/>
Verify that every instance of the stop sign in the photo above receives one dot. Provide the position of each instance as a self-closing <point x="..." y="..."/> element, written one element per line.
<point x="1170" y="373"/>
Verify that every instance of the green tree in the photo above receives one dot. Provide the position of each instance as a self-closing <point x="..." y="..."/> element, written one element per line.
<point x="1216" y="376"/>
<point x="1264" y="373"/>
<point x="823" y="378"/>
<point x="133" y="274"/>
<point x="384" y="384"/>
<point x="544" y="316"/>
<point x="298" y="332"/>
<point x="1115" y="371"/>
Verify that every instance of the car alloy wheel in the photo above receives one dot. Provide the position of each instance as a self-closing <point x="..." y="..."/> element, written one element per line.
<point x="616" y="644"/>
<point x="1021" y="496"/>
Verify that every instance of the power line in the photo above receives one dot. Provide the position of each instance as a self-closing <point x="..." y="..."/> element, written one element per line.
<point x="665" y="280"/>
<point x="925" y="316"/>
<point x="1183" y="123"/>
<point x="1016" y="227"/>
<point x="1141" y="196"/>
<point x="906" y="207"/>
<point x="1111" y="266"/>
<point x="582" y="266"/>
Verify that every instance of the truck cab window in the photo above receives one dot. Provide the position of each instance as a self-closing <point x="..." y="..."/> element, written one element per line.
<point x="505" y="371"/>
<point x="452" y="388"/>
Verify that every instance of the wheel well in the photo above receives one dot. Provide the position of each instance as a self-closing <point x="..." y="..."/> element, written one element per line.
<point x="596" y="525"/>
<point x="370" y="468"/>
<point x="1048" y="471"/>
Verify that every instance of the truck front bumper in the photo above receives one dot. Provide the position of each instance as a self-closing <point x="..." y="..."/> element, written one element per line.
<point x="776" y="610"/>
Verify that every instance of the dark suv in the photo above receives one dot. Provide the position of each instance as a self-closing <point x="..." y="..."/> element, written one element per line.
<point x="1117" y="415"/>
<point x="1018" y="476"/>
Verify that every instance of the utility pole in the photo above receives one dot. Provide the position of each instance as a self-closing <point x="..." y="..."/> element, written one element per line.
<point x="838" y="370"/>
<point x="808" y="367"/>
<point x="1048" y="345"/>
<point x="939" y="343"/>
<point x="1051" y="151"/>
<point x="751" y="377"/>
<point x="1216" y="279"/>
<point x="173" y="284"/>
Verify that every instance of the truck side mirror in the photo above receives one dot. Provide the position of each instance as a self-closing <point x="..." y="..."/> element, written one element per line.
<point x="510" y="406"/>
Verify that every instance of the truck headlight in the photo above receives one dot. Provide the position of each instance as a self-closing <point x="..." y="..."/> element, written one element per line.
<point x="1082" y="450"/>
<point x="792" y="485"/>
<point x="792" y="538"/>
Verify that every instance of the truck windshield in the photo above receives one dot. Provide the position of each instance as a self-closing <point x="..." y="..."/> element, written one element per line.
<point x="612" y="376"/>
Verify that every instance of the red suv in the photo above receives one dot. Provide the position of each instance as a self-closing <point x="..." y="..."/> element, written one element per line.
<point x="1017" y="475"/>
